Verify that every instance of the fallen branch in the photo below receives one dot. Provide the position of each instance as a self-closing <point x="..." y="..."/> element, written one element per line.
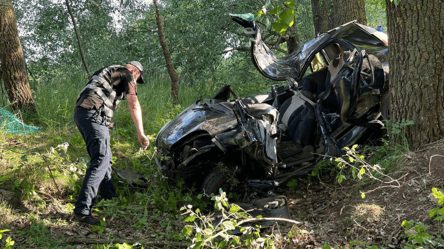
<point x="430" y="163"/>
<point x="269" y="219"/>
<point x="90" y="241"/>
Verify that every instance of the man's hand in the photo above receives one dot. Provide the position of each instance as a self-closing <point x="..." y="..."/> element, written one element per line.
<point x="143" y="140"/>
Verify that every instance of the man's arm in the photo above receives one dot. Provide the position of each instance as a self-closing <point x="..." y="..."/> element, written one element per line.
<point x="136" y="115"/>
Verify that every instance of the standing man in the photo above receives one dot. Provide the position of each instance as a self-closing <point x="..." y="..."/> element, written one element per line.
<point x="94" y="109"/>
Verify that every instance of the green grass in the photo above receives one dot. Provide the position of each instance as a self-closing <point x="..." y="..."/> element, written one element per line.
<point x="48" y="179"/>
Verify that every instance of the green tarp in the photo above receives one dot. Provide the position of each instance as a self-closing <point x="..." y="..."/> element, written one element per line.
<point x="11" y="124"/>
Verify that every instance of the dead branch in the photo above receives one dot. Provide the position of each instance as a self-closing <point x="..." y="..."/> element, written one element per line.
<point x="430" y="162"/>
<point x="90" y="241"/>
<point x="78" y="37"/>
<point x="269" y="219"/>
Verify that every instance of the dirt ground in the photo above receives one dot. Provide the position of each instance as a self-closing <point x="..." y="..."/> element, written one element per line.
<point x="337" y="214"/>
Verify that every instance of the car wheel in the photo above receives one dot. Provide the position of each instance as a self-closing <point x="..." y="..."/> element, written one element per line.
<point x="214" y="181"/>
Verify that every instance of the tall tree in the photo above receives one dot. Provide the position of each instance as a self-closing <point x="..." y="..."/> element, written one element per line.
<point x="174" y="77"/>
<point x="416" y="33"/>
<point x="344" y="11"/>
<point x="320" y="15"/>
<point x="328" y="14"/>
<point x="14" y="72"/>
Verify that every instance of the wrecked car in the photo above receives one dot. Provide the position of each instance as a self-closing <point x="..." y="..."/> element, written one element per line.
<point x="335" y="95"/>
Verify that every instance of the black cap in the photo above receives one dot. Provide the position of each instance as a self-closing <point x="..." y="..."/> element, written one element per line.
<point x="139" y="66"/>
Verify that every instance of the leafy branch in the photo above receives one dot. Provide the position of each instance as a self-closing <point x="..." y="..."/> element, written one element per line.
<point x="220" y="231"/>
<point x="359" y="168"/>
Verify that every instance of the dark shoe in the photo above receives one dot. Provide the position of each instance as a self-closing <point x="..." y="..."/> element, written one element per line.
<point x="87" y="219"/>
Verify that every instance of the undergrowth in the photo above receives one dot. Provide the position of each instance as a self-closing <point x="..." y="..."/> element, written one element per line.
<point x="44" y="171"/>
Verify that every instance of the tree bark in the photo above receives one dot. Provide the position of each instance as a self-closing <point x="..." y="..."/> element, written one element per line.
<point x="347" y="10"/>
<point x="78" y="38"/>
<point x="293" y="39"/>
<point x="14" y="72"/>
<point x="416" y="34"/>
<point x="174" y="77"/>
<point x="320" y="10"/>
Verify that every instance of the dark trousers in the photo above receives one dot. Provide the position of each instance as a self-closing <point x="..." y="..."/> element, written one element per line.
<point x="98" y="175"/>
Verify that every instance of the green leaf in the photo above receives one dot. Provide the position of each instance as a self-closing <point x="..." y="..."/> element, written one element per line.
<point x="408" y="224"/>
<point x="276" y="10"/>
<point x="354" y="171"/>
<point x="235" y="240"/>
<point x="439" y="218"/>
<point x="260" y="13"/>
<point x="287" y="16"/>
<point x="234" y="209"/>
<point x="9" y="242"/>
<point x="433" y="212"/>
<point x="438" y="195"/>
<point x="326" y="246"/>
<point x="280" y="27"/>
<point x="3" y="231"/>
<point x="222" y="244"/>
<point x="198" y="245"/>
<point x="356" y="242"/>
<point x="208" y="231"/>
<point x="228" y="225"/>
<point x="187" y="230"/>
<point x="190" y="218"/>
<point x="420" y="227"/>
<point x="291" y="4"/>
<point x="339" y="177"/>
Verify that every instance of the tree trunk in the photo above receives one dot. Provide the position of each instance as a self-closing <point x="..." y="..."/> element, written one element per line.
<point x="78" y="38"/>
<point x="174" y="77"/>
<point x="293" y="39"/>
<point x="320" y="15"/>
<point x="347" y="10"/>
<point x="14" y="72"/>
<point x="416" y="34"/>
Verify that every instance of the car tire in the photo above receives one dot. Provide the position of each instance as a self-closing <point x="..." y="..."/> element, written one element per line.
<point x="214" y="181"/>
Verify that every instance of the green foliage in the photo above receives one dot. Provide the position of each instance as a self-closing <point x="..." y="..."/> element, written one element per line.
<point x="293" y="183"/>
<point x="396" y="131"/>
<point x="438" y="212"/>
<point x="375" y="12"/>
<point x="9" y="242"/>
<point x="354" y="164"/>
<point x="419" y="235"/>
<point x="416" y="232"/>
<point x="286" y="14"/>
<point x="100" y="228"/>
<point x="205" y="233"/>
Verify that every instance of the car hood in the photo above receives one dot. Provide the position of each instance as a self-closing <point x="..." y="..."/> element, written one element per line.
<point x="207" y="115"/>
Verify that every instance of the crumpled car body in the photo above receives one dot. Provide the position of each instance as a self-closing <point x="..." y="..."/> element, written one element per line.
<point x="336" y="95"/>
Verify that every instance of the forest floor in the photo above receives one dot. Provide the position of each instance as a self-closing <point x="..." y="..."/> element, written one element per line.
<point x="336" y="214"/>
<point x="332" y="213"/>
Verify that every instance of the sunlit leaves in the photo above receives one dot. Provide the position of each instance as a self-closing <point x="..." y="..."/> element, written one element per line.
<point x="286" y="15"/>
